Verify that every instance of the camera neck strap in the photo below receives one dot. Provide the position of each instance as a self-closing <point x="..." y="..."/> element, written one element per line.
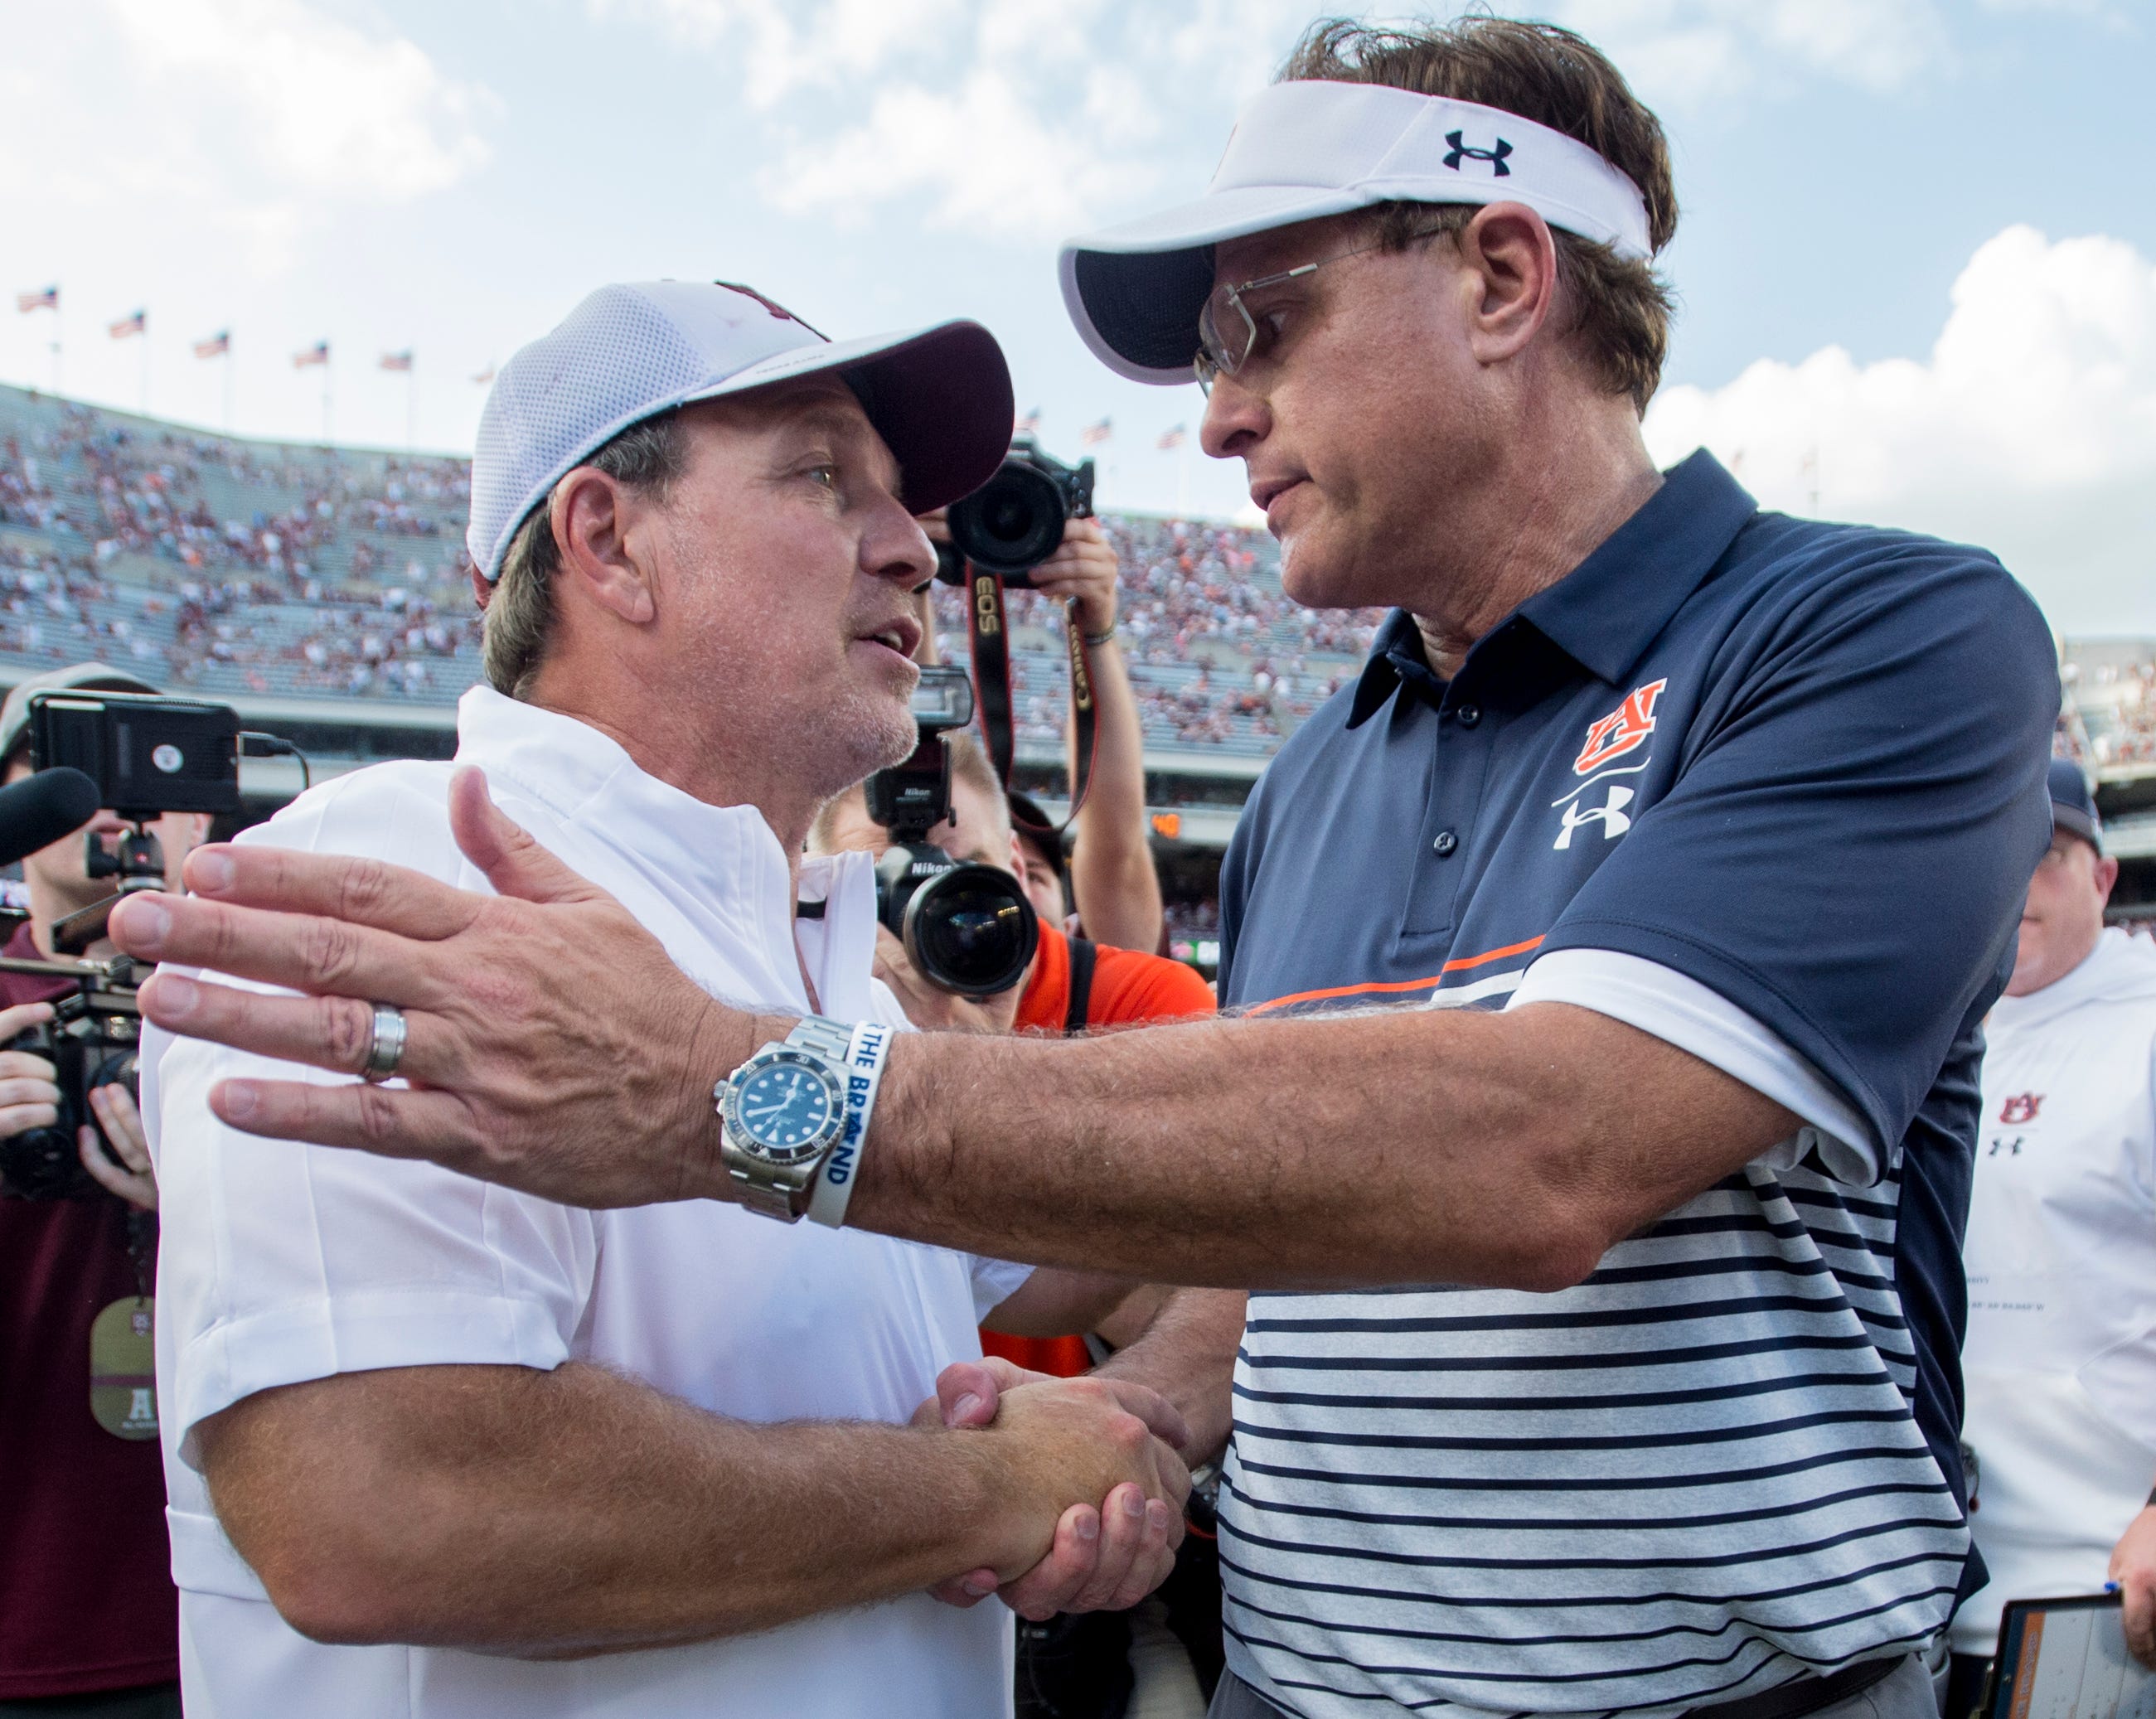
<point x="988" y="627"/>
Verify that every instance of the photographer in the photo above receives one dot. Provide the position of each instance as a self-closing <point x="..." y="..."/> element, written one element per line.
<point x="1088" y="1664"/>
<point x="1112" y="885"/>
<point x="87" y="1608"/>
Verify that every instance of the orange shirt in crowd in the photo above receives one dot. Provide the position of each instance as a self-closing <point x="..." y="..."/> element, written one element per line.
<point x="1128" y="988"/>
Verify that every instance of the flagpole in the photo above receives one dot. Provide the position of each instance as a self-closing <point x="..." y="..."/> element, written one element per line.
<point x="227" y="355"/>
<point x="145" y="338"/>
<point x="326" y="400"/>
<point x="411" y="405"/>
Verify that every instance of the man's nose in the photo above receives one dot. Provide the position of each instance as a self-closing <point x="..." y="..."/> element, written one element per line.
<point x="1237" y="418"/>
<point x="895" y="547"/>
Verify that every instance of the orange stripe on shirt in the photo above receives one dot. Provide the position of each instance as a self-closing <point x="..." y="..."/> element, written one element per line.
<point x="1373" y="990"/>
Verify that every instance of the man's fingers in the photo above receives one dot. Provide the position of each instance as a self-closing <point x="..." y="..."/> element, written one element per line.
<point x="28" y="1090"/>
<point x="1073" y="1556"/>
<point x="18" y="1018"/>
<point x="138" y="1189"/>
<point x="1125" y="1526"/>
<point x="122" y="1122"/>
<point x="332" y="1033"/>
<point x="968" y="1393"/>
<point x="501" y="848"/>
<point x="1162" y="1418"/>
<point x="2140" y="1620"/>
<point x="301" y="952"/>
<point x="21" y="1118"/>
<point x="393" y="1122"/>
<point x="25" y="1065"/>
<point x="368" y="892"/>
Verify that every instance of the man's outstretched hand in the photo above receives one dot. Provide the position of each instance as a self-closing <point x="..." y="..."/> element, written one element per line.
<point x="551" y="1045"/>
<point x="1105" y="1557"/>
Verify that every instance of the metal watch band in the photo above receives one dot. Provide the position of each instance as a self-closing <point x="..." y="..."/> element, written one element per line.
<point x="769" y="1189"/>
<point x="829" y="1038"/>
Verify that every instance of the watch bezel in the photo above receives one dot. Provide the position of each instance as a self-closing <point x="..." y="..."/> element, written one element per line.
<point x="778" y="1156"/>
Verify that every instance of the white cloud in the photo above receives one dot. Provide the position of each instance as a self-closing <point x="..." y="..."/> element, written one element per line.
<point x="2030" y="427"/>
<point x="253" y="120"/>
<point x="1694" y="50"/>
<point x="320" y="106"/>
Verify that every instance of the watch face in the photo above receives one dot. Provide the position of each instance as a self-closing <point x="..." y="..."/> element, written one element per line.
<point x="785" y="1111"/>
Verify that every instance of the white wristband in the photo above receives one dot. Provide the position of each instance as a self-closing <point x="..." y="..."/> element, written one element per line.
<point x="866" y="1056"/>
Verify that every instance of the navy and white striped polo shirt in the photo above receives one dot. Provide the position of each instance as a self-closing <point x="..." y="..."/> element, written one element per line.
<point x="1770" y="790"/>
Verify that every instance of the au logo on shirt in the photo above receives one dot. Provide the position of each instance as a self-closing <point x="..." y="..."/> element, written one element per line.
<point x="1624" y="730"/>
<point x="2020" y="1107"/>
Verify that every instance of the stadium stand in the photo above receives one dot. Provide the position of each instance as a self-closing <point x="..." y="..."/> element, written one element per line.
<point x="325" y="590"/>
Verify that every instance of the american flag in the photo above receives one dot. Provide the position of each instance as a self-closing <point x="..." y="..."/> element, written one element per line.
<point x="397" y="361"/>
<point x="1028" y="425"/>
<point x="216" y="347"/>
<point x="318" y="353"/>
<point x="1172" y="437"/>
<point x="129" y="326"/>
<point x="48" y="300"/>
<point x="1096" y="434"/>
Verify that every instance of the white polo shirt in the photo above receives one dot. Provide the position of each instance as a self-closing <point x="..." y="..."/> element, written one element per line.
<point x="2061" y="1360"/>
<point x="282" y="1263"/>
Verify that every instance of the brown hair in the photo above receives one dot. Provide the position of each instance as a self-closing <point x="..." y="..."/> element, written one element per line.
<point x="647" y="456"/>
<point x="1620" y="307"/>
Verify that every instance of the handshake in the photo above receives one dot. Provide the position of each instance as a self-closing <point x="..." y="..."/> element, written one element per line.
<point x="1086" y="1481"/>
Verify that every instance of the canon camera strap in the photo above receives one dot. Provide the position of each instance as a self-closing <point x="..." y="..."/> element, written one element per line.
<point x="987" y="628"/>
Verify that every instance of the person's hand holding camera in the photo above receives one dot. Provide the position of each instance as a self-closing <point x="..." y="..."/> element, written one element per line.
<point x="1082" y="570"/>
<point x="29" y="1097"/>
<point x="131" y="1179"/>
<point x="932" y="1009"/>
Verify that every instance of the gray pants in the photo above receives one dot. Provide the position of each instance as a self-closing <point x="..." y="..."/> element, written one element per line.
<point x="1906" y="1692"/>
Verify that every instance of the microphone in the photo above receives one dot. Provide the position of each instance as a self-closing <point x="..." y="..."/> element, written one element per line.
<point x="38" y="810"/>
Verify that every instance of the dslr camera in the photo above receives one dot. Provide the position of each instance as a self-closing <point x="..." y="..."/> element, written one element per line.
<point x="968" y="929"/>
<point x="147" y="756"/>
<point x="1015" y="521"/>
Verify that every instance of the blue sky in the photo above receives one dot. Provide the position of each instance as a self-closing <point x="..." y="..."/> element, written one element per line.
<point x="1918" y="260"/>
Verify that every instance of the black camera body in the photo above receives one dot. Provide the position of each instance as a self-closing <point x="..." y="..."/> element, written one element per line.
<point x="147" y="756"/>
<point x="968" y="929"/>
<point x="91" y="1041"/>
<point x="1015" y="521"/>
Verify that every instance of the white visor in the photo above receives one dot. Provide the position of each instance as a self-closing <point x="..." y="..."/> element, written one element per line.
<point x="1310" y="148"/>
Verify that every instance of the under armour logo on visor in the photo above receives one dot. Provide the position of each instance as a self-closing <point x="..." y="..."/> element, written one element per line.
<point x="1459" y="152"/>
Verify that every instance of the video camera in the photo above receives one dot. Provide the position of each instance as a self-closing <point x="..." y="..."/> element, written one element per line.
<point x="1015" y="521"/>
<point x="968" y="929"/>
<point x="144" y="756"/>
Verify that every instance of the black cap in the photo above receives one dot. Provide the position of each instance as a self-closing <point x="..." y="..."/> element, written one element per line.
<point x="2073" y="807"/>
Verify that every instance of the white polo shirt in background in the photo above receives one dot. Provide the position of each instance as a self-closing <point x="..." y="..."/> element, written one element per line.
<point x="2061" y="1360"/>
<point x="282" y="1263"/>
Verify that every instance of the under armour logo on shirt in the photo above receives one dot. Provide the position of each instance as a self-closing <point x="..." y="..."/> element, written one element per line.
<point x="1610" y="814"/>
<point x="1459" y="152"/>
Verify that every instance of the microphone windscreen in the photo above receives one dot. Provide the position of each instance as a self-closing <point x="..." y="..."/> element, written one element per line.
<point x="40" y="809"/>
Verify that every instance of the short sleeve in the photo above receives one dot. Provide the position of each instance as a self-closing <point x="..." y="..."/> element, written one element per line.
<point x="282" y="1262"/>
<point x="1130" y="989"/>
<point x="1859" y="808"/>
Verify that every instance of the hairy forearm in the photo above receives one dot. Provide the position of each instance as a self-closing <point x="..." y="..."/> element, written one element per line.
<point x="515" y="1511"/>
<point x="1187" y="1354"/>
<point x="1414" y="1147"/>
<point x="1116" y="890"/>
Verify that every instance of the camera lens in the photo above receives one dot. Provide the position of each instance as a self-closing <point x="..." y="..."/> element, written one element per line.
<point x="41" y="1164"/>
<point x="970" y="931"/>
<point x="1012" y="523"/>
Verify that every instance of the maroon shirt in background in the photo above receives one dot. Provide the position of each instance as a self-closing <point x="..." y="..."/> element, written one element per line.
<point x="86" y="1597"/>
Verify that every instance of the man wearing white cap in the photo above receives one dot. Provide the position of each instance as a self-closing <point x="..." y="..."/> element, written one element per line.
<point x="438" y="1449"/>
<point x="1601" y="1354"/>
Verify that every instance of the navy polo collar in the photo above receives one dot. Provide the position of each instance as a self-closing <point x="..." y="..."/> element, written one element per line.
<point x="1606" y="612"/>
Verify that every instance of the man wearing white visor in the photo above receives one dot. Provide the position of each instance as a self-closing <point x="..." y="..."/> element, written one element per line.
<point x="1611" y="958"/>
<point x="438" y="1449"/>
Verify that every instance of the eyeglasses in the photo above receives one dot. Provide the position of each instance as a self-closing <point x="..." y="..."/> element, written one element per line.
<point x="1227" y="332"/>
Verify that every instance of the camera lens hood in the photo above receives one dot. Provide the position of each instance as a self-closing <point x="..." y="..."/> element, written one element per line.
<point x="970" y="931"/>
<point x="1012" y="523"/>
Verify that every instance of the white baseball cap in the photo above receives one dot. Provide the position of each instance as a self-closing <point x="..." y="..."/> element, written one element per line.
<point x="939" y="396"/>
<point x="1313" y="147"/>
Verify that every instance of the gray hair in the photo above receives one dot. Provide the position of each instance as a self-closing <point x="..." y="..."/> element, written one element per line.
<point x="647" y="457"/>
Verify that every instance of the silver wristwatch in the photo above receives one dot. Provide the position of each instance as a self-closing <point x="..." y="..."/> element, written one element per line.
<point x="781" y="1112"/>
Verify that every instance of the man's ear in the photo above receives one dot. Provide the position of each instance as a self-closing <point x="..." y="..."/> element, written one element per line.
<point x="601" y="532"/>
<point x="2107" y="874"/>
<point x="1511" y="262"/>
